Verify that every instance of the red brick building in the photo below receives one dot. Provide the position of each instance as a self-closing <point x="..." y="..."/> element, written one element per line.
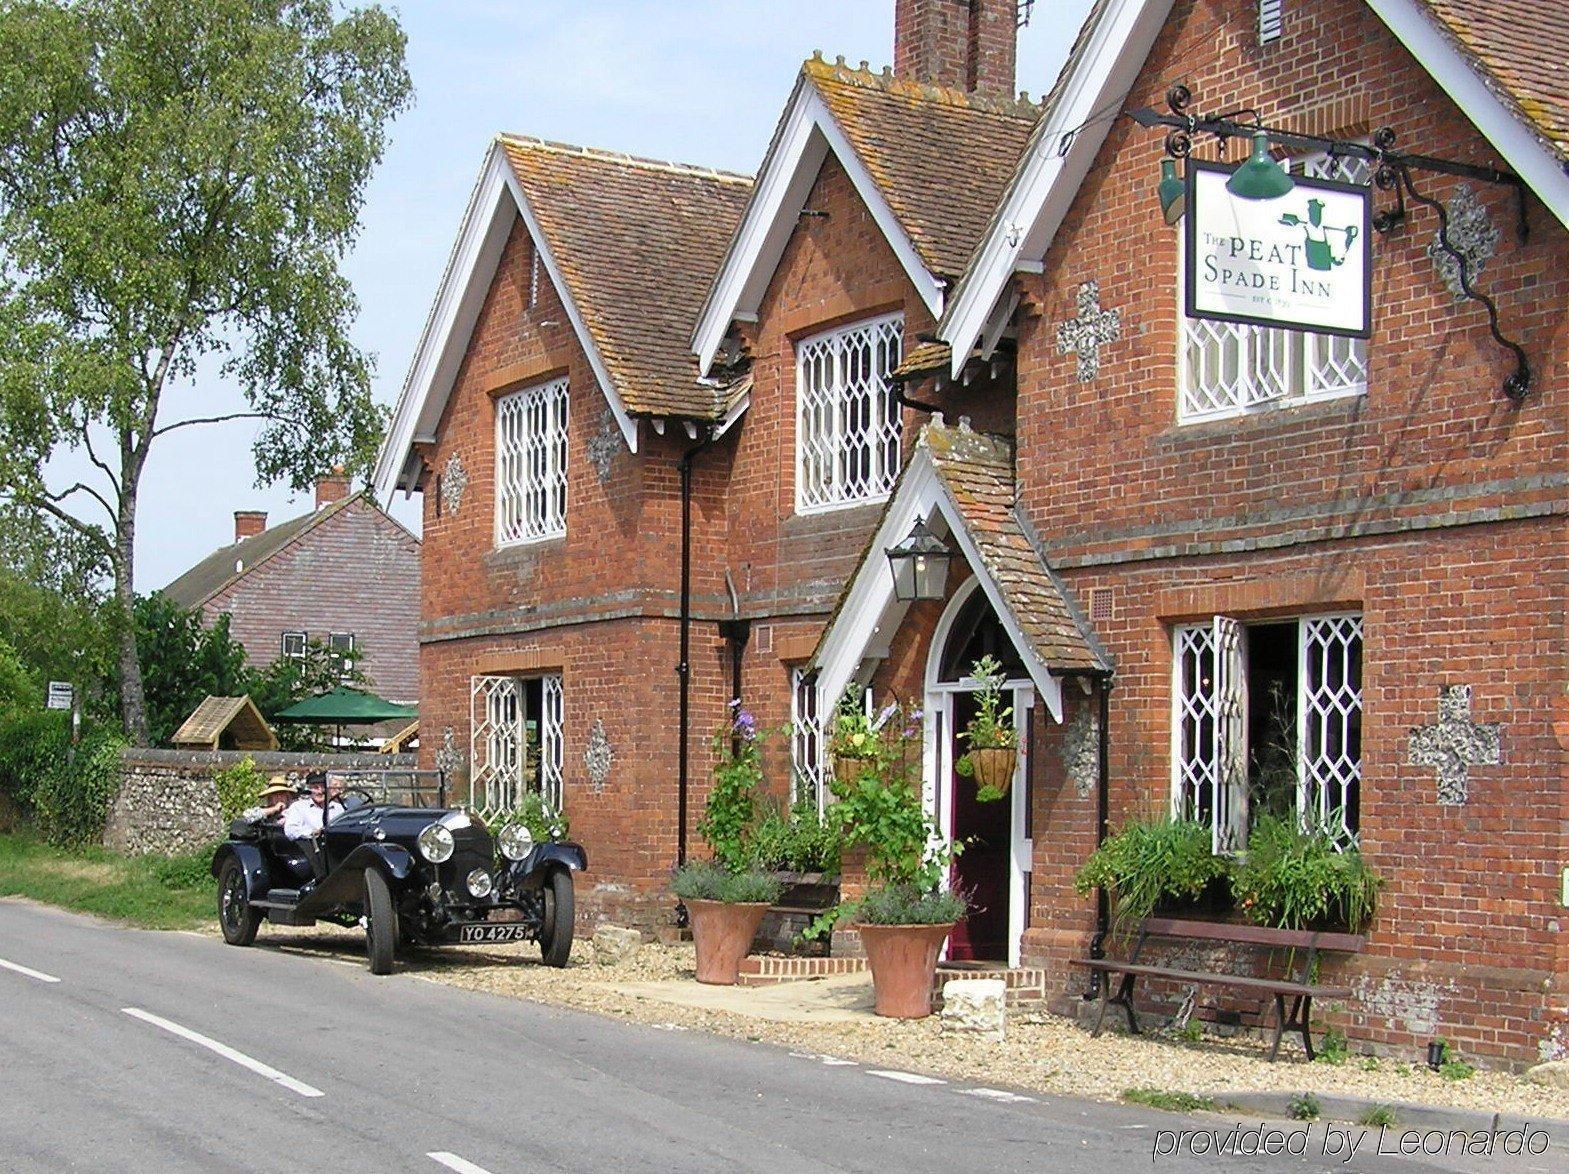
<point x="346" y="574"/>
<point x="1164" y="520"/>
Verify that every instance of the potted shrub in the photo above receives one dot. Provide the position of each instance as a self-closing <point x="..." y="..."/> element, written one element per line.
<point x="1299" y="877"/>
<point x="991" y="735"/>
<point x="800" y="848"/>
<point x="853" y="740"/>
<point x="726" y="897"/>
<point x="905" y="916"/>
<point x="1151" y="864"/>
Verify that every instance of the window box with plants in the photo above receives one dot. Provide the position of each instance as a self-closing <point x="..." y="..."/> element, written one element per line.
<point x="726" y="897"/>
<point x="906" y="914"/>
<point x="991" y="735"/>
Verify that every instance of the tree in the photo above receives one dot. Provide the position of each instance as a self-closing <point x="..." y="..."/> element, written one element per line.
<point x="289" y="679"/>
<point x="179" y="182"/>
<point x="185" y="663"/>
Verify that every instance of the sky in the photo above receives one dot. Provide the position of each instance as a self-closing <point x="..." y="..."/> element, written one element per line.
<point x="698" y="81"/>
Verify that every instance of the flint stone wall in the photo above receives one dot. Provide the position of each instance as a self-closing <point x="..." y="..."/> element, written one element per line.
<point x="167" y="803"/>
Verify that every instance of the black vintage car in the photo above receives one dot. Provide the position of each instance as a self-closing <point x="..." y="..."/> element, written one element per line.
<point x="421" y="875"/>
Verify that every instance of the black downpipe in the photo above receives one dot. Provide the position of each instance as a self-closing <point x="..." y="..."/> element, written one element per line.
<point x="1102" y="818"/>
<point x="684" y="666"/>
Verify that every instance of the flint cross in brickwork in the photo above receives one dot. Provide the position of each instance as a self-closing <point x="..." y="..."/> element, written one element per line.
<point x="1454" y="744"/>
<point x="454" y="480"/>
<point x="599" y="756"/>
<point x="1087" y="333"/>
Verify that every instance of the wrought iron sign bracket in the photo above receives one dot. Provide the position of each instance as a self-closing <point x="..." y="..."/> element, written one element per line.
<point x="1392" y="174"/>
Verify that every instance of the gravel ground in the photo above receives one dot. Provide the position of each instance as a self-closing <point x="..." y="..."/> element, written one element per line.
<point x="1043" y="1052"/>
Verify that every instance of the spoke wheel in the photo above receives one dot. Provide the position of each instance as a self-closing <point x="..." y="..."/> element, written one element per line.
<point x="555" y="935"/>
<point x="238" y="921"/>
<point x="381" y="923"/>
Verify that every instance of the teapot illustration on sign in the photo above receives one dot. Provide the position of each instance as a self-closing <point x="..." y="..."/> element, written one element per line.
<point x="1316" y="235"/>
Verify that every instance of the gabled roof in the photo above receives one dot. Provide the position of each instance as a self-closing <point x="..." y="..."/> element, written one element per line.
<point x="217" y="716"/>
<point x="230" y="563"/>
<point x="929" y="163"/>
<point x="629" y="244"/>
<point x="961" y="482"/>
<point x="1501" y="61"/>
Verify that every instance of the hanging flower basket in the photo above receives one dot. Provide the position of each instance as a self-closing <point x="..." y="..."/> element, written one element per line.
<point x="993" y="768"/>
<point x="848" y="770"/>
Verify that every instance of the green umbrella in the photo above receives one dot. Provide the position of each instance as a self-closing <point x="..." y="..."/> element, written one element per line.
<point x="345" y="707"/>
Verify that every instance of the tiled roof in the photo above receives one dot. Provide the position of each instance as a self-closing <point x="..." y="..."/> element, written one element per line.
<point x="637" y="242"/>
<point x="227" y="563"/>
<point x="976" y="469"/>
<point x="940" y="157"/>
<point x="1521" y="48"/>
<point x="921" y="358"/>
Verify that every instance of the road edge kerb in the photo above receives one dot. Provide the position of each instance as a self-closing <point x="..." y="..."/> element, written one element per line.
<point x="1408" y="1115"/>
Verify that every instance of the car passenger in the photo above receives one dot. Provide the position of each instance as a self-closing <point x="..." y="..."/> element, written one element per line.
<point x="303" y="819"/>
<point x="270" y="804"/>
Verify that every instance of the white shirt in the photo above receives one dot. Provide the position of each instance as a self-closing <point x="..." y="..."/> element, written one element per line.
<point x="302" y="820"/>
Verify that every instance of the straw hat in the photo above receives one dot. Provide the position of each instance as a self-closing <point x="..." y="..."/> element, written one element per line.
<point x="277" y="785"/>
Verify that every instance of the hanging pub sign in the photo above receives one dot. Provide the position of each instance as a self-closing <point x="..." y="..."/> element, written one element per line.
<point x="1301" y="260"/>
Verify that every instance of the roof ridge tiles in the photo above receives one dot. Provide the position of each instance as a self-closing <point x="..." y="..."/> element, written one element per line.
<point x="818" y="69"/>
<point x="507" y="138"/>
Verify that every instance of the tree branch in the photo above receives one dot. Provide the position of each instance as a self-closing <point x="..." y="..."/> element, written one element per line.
<point x="48" y="499"/>
<point x="91" y="533"/>
<point x="157" y="432"/>
<point x="87" y="442"/>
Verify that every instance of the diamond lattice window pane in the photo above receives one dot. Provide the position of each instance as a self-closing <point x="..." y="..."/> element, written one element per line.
<point x="848" y="422"/>
<point x="531" y="464"/>
<point x="806" y="742"/>
<point x="1330" y="739"/>
<point x="515" y="742"/>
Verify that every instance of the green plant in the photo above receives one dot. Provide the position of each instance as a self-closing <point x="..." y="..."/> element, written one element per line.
<point x="190" y="870"/>
<point x="1295" y="877"/>
<point x="71" y="800"/>
<point x="1304" y="1107"/>
<point x="797" y="840"/>
<point x="1402" y="1068"/>
<point x="707" y="880"/>
<point x="1172" y="1102"/>
<point x="239" y="786"/>
<point x="1370" y="1064"/>
<point x="1189" y="1033"/>
<point x="852" y="734"/>
<point x="1450" y="1065"/>
<point x="992" y="727"/>
<point x="1332" y="1048"/>
<point x="543" y="821"/>
<point x="908" y="905"/>
<point x="32" y="744"/>
<point x="145" y="890"/>
<point x="738" y="770"/>
<point x="1150" y="860"/>
<point x="1378" y="1116"/>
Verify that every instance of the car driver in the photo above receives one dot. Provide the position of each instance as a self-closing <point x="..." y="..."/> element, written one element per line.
<point x="303" y="819"/>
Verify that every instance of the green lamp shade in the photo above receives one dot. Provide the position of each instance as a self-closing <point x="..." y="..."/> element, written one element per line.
<point x="1260" y="178"/>
<point x="1173" y="192"/>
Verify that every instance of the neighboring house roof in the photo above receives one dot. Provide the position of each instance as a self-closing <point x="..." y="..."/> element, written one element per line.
<point x="962" y="480"/>
<point x="236" y="717"/>
<point x="230" y="563"/>
<point x="1501" y="61"/>
<point x="629" y="245"/>
<point x="929" y="163"/>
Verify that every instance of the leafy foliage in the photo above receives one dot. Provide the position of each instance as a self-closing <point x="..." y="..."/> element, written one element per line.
<point x="731" y="809"/>
<point x="992" y="726"/>
<point x="290" y="679"/>
<point x="183" y="662"/>
<point x="32" y="744"/>
<point x="145" y="890"/>
<point x="908" y="905"/>
<point x="1150" y="860"/>
<point x="1450" y="1065"/>
<point x="707" y="880"/>
<point x="1172" y="1102"/>
<point x="239" y="786"/>
<point x="797" y="840"/>
<point x="853" y="735"/>
<point x="1304" y="1107"/>
<point x="182" y="181"/>
<point x="19" y="688"/>
<point x="71" y="799"/>
<point x="1297" y="878"/>
<point x="1332" y="1048"/>
<point x="543" y="821"/>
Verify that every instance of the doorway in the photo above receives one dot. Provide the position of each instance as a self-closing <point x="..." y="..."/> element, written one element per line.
<point x="980" y="871"/>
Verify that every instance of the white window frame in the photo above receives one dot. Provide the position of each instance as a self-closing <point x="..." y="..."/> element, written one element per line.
<point x="808" y="741"/>
<point x="345" y="653"/>
<point x="498" y="742"/>
<point x="1273" y="367"/>
<point x="1324" y="772"/>
<point x="296" y="653"/>
<point x="823" y="479"/>
<point x="1271" y="19"/>
<point x="531" y="464"/>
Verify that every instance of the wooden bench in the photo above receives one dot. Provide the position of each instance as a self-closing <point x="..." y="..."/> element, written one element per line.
<point x="1303" y="944"/>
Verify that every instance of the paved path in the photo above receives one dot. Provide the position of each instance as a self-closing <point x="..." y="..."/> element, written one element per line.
<point x="131" y="1051"/>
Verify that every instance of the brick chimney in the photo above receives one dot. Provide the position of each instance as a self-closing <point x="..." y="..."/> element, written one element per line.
<point x="333" y="487"/>
<point x="248" y="523"/>
<point x="961" y="44"/>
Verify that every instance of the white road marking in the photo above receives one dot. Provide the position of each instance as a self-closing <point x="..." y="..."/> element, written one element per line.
<point x="226" y="1052"/>
<point x="905" y="1077"/>
<point x="996" y="1094"/>
<point x="29" y="971"/>
<point x="453" y="1162"/>
<point x="830" y="1061"/>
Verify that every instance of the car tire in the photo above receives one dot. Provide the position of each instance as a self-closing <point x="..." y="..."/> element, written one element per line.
<point x="555" y="938"/>
<point x="381" y="923"/>
<point x="236" y="918"/>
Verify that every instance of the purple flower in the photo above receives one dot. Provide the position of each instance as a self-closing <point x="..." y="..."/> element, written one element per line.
<point x="887" y="712"/>
<point x="745" y="724"/>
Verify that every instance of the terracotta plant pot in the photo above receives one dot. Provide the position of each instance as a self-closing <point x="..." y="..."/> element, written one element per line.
<point x="994" y="768"/>
<point x="903" y="960"/>
<point x="847" y="771"/>
<point x="723" y="932"/>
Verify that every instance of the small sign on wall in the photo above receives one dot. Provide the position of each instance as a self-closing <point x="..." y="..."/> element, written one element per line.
<point x="1301" y="261"/>
<point x="60" y="696"/>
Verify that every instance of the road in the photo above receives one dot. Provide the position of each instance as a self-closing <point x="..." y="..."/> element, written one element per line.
<point x="133" y="1051"/>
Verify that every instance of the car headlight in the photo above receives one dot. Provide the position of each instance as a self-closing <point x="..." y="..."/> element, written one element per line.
<point x="480" y="883"/>
<point x="436" y="843"/>
<point x="516" y="841"/>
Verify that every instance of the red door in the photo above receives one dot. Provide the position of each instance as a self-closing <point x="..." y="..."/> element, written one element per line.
<point x="981" y="870"/>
